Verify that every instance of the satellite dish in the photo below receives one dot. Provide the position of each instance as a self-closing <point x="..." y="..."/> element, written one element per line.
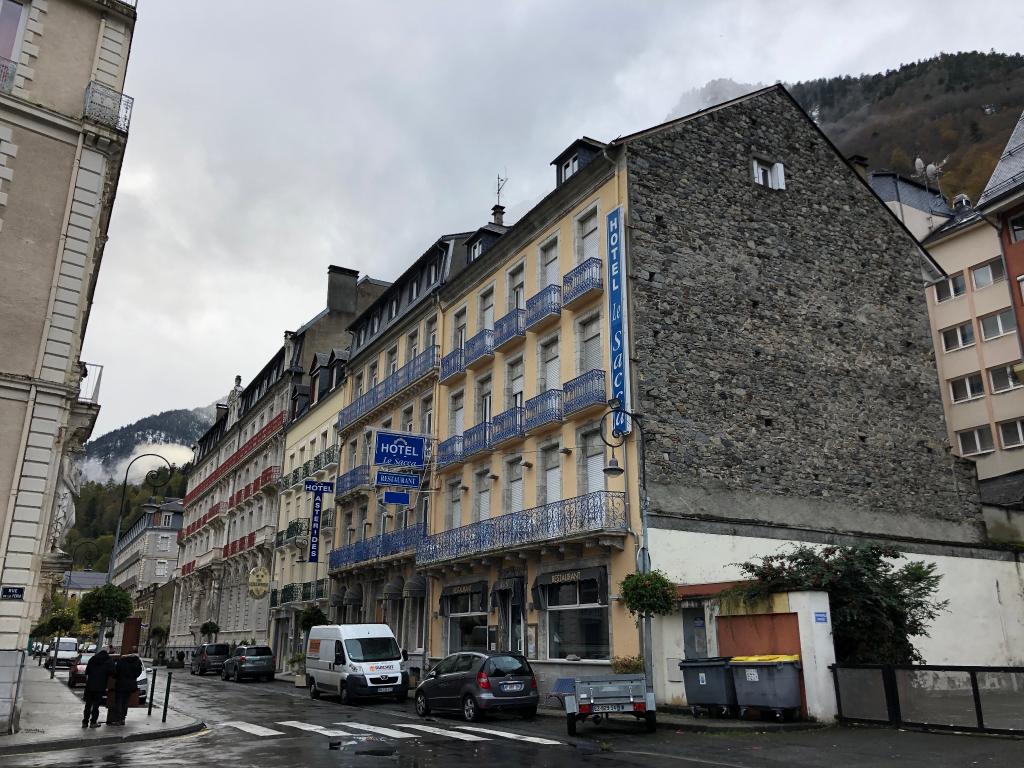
<point x="919" y="165"/>
<point x="932" y="171"/>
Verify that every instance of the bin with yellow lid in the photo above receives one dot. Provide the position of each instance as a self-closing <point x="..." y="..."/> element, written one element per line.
<point x="768" y="682"/>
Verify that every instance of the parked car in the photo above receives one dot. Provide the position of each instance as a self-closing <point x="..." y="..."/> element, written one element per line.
<point x="356" y="661"/>
<point x="209" y="657"/>
<point x="76" y="674"/>
<point x="67" y="652"/>
<point x="479" y="683"/>
<point x="249" y="662"/>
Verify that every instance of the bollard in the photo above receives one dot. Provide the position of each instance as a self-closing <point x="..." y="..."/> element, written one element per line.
<point x="152" y="693"/>
<point x="167" y="696"/>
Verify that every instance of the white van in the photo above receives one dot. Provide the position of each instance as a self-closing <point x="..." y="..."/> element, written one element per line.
<point x="67" y="652"/>
<point x="354" y="661"/>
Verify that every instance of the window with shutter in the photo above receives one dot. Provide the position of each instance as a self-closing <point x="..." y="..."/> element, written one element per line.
<point x="552" y="476"/>
<point x="595" y="472"/>
<point x="514" y="473"/>
<point x="549" y="261"/>
<point x="588" y="237"/>
<point x="552" y="369"/>
<point x="483" y="511"/>
<point x="458" y="416"/>
<point x="590" y="334"/>
<point x="487" y="310"/>
<point x="517" y="288"/>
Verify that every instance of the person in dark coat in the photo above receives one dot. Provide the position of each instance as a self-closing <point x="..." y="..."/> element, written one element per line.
<point x="126" y="682"/>
<point x="97" y="673"/>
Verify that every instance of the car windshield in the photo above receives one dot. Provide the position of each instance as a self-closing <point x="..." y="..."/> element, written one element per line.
<point x="259" y="650"/>
<point x="67" y="645"/>
<point x="373" y="649"/>
<point x="508" y="666"/>
<point x="84" y="658"/>
<point x="216" y="650"/>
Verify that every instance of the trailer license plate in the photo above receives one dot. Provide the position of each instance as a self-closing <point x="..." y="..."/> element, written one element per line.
<point x="609" y="707"/>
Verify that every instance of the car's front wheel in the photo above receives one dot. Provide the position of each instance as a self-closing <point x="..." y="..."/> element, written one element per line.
<point x="422" y="704"/>
<point x="237" y="676"/>
<point x="470" y="709"/>
<point x="224" y="674"/>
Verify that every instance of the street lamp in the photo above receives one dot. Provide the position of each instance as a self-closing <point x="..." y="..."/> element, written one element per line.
<point x="617" y="439"/>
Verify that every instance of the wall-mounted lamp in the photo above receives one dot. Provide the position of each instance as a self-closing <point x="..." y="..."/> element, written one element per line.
<point x="493" y="477"/>
<point x="526" y="465"/>
<point x="463" y="488"/>
<point x="565" y="451"/>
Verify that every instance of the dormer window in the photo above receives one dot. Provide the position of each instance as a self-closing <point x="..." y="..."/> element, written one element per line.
<point x="393" y="308"/>
<point x="314" y="389"/>
<point x="770" y="175"/>
<point x="414" y="289"/>
<point x="476" y="250"/>
<point x="570" y="166"/>
<point x="375" y="323"/>
<point x="433" y="273"/>
<point x="362" y="334"/>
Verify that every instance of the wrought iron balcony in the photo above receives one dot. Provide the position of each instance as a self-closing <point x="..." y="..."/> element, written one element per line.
<point x="108" y="107"/>
<point x="295" y="529"/>
<point x="330" y="456"/>
<point x="476" y="439"/>
<point x="480" y="348"/>
<point x="275" y="598"/>
<point x="416" y="369"/>
<point x="450" y="451"/>
<point x="543" y="409"/>
<point x="377" y="547"/>
<point x="321" y="589"/>
<point x="579" y="517"/>
<point x="327" y="519"/>
<point x="584" y="392"/>
<point x="291" y="593"/>
<point x="507" y="425"/>
<point x="543" y="306"/>
<point x="452" y="365"/>
<point x="307" y="590"/>
<point x="359" y="477"/>
<point x="307" y="469"/>
<point x="318" y="462"/>
<point x="582" y="282"/>
<point x="510" y="328"/>
<point x="279" y="540"/>
<point x="8" y="69"/>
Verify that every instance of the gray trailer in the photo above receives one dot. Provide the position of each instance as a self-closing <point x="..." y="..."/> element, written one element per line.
<point x="597" y="698"/>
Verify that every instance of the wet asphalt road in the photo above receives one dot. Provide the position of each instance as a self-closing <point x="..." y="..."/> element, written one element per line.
<point x="282" y="717"/>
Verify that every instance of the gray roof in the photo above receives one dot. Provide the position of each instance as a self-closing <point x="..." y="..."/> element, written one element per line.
<point x="893" y="188"/>
<point x="1008" y="175"/>
<point x="962" y="217"/>
<point x="83" y="579"/>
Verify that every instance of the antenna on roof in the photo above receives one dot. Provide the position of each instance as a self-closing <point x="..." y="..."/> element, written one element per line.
<point x="501" y="184"/>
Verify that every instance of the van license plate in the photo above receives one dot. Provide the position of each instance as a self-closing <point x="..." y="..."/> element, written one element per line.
<point x="609" y="707"/>
<point x="385" y="690"/>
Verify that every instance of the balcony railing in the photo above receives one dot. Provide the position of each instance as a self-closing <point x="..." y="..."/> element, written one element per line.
<point x="584" y="391"/>
<point x="581" y="282"/>
<point x="279" y="540"/>
<point x="476" y="439"/>
<point x="321" y="589"/>
<point x="8" y="69"/>
<point x="275" y="598"/>
<point x="296" y="528"/>
<point x="545" y="304"/>
<point x="269" y="475"/>
<point x="291" y="593"/>
<point x="214" y="555"/>
<point x="108" y="107"/>
<point x="307" y="590"/>
<point x="354" y="478"/>
<point x="509" y="328"/>
<point x="92" y="374"/>
<point x="330" y="456"/>
<point x="452" y="364"/>
<point x="376" y="547"/>
<point x="507" y="425"/>
<point x="543" y="409"/>
<point x="327" y="519"/>
<point x="250" y="447"/>
<point x="569" y="518"/>
<point x="480" y="347"/>
<point x="450" y="451"/>
<point x="421" y="365"/>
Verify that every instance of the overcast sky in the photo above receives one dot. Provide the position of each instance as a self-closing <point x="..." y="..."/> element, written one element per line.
<point x="271" y="139"/>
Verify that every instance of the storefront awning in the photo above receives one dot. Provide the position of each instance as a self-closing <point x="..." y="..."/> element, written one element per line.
<point x="354" y="596"/>
<point x="513" y="584"/>
<point x="415" y="587"/>
<point x="600" y="573"/>
<point x="477" y="591"/>
<point x="393" y="589"/>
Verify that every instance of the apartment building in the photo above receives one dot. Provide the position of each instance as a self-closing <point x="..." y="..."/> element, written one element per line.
<point x="148" y="552"/>
<point x="232" y="505"/>
<point x="63" y="129"/>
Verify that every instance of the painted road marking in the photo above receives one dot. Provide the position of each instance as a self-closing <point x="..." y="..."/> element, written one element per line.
<point x="442" y="732"/>
<point x="390" y="732"/>
<point x="507" y="735"/>
<point x="255" y="730"/>
<point x="313" y="728"/>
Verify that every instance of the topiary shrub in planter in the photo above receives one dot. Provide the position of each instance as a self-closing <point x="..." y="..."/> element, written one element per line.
<point x="648" y="594"/>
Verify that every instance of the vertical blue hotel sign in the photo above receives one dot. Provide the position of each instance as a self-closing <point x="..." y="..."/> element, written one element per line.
<point x="618" y="336"/>
<point x="318" y="490"/>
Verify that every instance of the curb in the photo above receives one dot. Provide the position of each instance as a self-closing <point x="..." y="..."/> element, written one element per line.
<point x="720" y="726"/>
<point x="182" y="730"/>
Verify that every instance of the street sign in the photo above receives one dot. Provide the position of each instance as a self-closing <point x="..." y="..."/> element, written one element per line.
<point x="318" y="490"/>
<point x="398" y="449"/>
<point x="820" y="617"/>
<point x="397" y="479"/>
<point x="315" y="486"/>
<point x="396" y="497"/>
<point x="12" y="593"/>
<point x="618" y="322"/>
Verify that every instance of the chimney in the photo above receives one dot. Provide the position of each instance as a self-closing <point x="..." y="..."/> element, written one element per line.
<point x="498" y="212"/>
<point x="341" y="289"/>
<point x="961" y="202"/>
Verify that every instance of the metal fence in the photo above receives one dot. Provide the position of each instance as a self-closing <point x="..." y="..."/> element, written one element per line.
<point x="107" y="106"/>
<point x="981" y="699"/>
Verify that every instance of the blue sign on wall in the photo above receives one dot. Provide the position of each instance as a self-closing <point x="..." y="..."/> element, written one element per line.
<point x="318" y="489"/>
<point x="397" y="449"/>
<point x="396" y="497"/>
<point x="821" y="617"/>
<point x="397" y="479"/>
<point x="618" y="336"/>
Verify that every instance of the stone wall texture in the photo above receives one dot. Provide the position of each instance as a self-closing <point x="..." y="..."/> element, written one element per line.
<point x="783" y="359"/>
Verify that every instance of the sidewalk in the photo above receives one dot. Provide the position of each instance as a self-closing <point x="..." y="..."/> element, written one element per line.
<point x="51" y="719"/>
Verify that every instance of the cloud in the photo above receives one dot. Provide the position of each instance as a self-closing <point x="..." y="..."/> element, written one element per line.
<point x="93" y="469"/>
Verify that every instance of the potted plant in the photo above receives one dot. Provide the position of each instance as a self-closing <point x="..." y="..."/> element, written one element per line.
<point x="297" y="664"/>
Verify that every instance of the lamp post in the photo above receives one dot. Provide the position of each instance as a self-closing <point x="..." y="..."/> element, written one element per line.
<point x="616" y="439"/>
<point x="154" y="481"/>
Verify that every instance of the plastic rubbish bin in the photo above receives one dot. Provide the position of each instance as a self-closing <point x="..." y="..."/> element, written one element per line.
<point x="767" y="683"/>
<point x="709" y="686"/>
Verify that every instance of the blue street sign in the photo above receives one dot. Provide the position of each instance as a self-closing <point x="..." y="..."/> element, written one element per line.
<point x="396" y="497"/>
<point x="397" y="449"/>
<point x="318" y="490"/>
<point x="314" y="485"/>
<point x="397" y="479"/>
<point x="618" y="336"/>
<point x="12" y="593"/>
<point x="821" y="617"/>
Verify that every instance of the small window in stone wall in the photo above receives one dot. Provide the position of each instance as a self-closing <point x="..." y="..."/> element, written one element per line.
<point x="768" y="174"/>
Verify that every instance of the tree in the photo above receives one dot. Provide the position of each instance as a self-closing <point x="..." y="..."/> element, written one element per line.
<point x="158" y="635"/>
<point x="209" y="630"/>
<point x="876" y="607"/>
<point x="310" y="617"/>
<point x="106" y="603"/>
<point x="648" y="594"/>
<point x="62" y="621"/>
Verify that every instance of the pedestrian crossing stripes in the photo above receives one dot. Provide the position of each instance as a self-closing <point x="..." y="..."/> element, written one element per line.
<point x="395" y="731"/>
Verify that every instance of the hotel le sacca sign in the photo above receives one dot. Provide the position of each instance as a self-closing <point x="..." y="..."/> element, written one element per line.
<point x="618" y="323"/>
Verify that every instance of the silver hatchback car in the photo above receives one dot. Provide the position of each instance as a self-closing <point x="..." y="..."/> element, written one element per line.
<point x="249" y="662"/>
<point x="478" y="683"/>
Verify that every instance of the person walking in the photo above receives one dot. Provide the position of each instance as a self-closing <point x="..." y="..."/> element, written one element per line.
<point x="126" y="682"/>
<point x="97" y="674"/>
